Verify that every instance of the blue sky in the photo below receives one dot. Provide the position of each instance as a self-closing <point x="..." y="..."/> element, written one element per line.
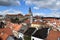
<point x="37" y="6"/>
<point x="24" y="8"/>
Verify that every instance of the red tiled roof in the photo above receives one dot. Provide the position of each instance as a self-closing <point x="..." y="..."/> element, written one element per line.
<point x="20" y="14"/>
<point x="6" y="32"/>
<point x="38" y="17"/>
<point x="27" y="15"/>
<point x="14" y="15"/>
<point x="38" y="22"/>
<point x="53" y="35"/>
<point x="16" y="27"/>
<point x="27" y="21"/>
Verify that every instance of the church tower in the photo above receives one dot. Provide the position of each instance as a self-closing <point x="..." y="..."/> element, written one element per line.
<point x="31" y="15"/>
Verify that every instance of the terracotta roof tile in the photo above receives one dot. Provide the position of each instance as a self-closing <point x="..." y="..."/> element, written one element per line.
<point x="27" y="15"/>
<point x="27" y="21"/>
<point x="53" y="35"/>
<point x="14" y="15"/>
<point x="38" y="22"/>
<point x="6" y="32"/>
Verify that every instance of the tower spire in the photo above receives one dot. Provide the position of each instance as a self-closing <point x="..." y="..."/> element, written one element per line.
<point x="31" y="15"/>
<point x="30" y="12"/>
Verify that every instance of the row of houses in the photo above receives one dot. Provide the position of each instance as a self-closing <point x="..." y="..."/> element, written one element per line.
<point x="38" y="21"/>
<point x="33" y="26"/>
<point x="33" y="21"/>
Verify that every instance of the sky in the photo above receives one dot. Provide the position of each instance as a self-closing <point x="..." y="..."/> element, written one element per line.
<point x="39" y="7"/>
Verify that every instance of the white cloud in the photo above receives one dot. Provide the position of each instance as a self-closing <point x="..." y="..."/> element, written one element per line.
<point x="53" y="14"/>
<point x="9" y="2"/>
<point x="10" y="11"/>
<point x="51" y="4"/>
<point x="39" y="14"/>
<point x="36" y="8"/>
